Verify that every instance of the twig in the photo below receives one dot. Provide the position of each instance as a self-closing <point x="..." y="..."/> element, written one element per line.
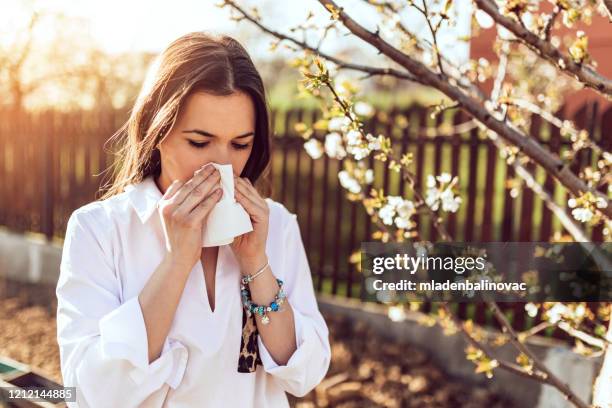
<point x="339" y="62"/>
<point x="514" y="368"/>
<point x="406" y="175"/>
<point x="550" y="118"/>
<point x="550" y="377"/>
<point x="434" y="33"/>
<point x="551" y="22"/>
<point x="536" y="329"/>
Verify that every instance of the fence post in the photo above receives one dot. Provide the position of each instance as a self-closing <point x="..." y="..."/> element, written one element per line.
<point x="47" y="175"/>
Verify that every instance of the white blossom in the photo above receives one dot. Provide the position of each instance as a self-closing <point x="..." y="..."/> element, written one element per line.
<point x="333" y="146"/>
<point x="387" y="213"/>
<point x="442" y="194"/>
<point x="450" y="202"/>
<point x="431" y="181"/>
<point x="395" y="200"/>
<point x="582" y="214"/>
<point x="313" y="148"/>
<point x="444" y="178"/>
<point x="375" y="143"/>
<point x="432" y="198"/>
<point x="406" y="209"/>
<point x="398" y="211"/>
<point x="531" y="309"/>
<point x="401" y="222"/>
<point x="369" y="176"/>
<point x="349" y="182"/>
<point x="363" y="109"/>
<point x="339" y="123"/>
<point x="353" y="137"/>
<point x="358" y="152"/>
<point x="601" y="202"/>
<point x="556" y="312"/>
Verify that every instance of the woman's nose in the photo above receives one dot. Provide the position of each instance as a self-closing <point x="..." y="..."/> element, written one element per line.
<point x="222" y="156"/>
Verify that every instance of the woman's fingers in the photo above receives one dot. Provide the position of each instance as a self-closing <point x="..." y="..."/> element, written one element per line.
<point x="198" y="193"/>
<point x="204" y="207"/>
<point x="252" y="203"/>
<point x="250" y="192"/>
<point x="254" y="211"/>
<point x="199" y="176"/>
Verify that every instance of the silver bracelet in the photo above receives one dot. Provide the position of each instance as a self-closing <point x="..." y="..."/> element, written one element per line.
<point x="249" y="278"/>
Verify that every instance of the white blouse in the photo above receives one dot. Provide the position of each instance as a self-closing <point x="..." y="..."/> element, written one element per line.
<point x="111" y="249"/>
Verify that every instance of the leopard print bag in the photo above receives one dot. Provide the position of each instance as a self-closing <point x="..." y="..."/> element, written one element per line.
<point x="249" y="349"/>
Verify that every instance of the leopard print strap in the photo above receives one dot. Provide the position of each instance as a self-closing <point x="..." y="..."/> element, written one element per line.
<point x="249" y="349"/>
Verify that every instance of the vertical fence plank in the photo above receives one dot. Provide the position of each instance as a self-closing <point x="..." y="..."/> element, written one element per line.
<point x="297" y="179"/>
<point x="283" y="187"/>
<point x="527" y="213"/>
<point x="554" y="145"/>
<point x="420" y="160"/>
<point x="455" y="142"/>
<point x="489" y="192"/>
<point x="470" y="219"/>
<point x="322" y="233"/>
<point x="507" y="227"/>
<point x="310" y="196"/>
<point x="338" y="230"/>
<point x="47" y="176"/>
<point x="438" y="143"/>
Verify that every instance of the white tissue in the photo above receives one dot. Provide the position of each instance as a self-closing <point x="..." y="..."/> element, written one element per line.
<point x="228" y="219"/>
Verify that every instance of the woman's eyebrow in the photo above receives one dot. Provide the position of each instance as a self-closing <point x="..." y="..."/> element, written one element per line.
<point x="205" y="133"/>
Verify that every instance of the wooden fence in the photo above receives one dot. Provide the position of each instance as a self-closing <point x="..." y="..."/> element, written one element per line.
<point x="48" y="163"/>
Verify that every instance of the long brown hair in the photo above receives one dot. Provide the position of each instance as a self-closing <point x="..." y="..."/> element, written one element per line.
<point x="197" y="61"/>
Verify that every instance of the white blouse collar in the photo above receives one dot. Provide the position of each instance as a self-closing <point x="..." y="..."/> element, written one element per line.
<point x="144" y="197"/>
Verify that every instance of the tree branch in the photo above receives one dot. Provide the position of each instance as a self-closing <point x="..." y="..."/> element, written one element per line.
<point x="583" y="73"/>
<point x="608" y="6"/>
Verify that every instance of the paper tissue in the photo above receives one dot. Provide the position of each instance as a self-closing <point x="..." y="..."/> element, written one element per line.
<point x="227" y="219"/>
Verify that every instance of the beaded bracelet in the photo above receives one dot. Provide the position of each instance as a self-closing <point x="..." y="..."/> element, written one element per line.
<point x="274" y="306"/>
<point x="249" y="278"/>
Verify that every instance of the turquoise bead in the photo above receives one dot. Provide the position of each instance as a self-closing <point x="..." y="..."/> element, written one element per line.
<point x="274" y="306"/>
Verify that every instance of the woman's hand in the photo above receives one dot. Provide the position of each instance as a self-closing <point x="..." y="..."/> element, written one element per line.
<point x="250" y="248"/>
<point x="183" y="208"/>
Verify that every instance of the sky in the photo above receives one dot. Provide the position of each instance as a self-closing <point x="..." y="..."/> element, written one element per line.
<point x="140" y="25"/>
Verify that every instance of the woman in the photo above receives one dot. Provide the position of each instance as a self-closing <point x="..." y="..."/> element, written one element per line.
<point x="146" y="316"/>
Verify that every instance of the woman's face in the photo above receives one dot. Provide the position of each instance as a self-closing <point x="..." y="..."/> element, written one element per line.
<point x="209" y="128"/>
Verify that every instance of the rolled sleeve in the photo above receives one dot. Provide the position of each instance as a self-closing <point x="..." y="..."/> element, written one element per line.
<point x="124" y="336"/>
<point x="103" y="342"/>
<point x="310" y="361"/>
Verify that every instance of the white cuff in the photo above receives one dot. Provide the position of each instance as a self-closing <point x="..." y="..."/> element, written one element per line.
<point x="124" y="336"/>
<point x="300" y="356"/>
